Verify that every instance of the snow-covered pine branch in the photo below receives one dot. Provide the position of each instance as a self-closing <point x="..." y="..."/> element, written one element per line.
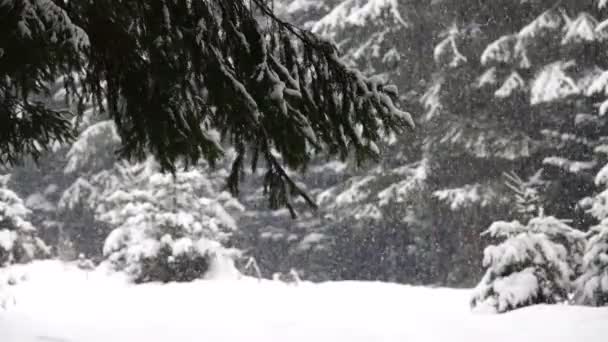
<point x="40" y="43"/>
<point x="173" y="74"/>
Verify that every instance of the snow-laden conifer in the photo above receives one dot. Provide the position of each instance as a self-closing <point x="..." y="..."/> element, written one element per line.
<point x="19" y="242"/>
<point x="592" y="285"/>
<point x="536" y="263"/>
<point x="166" y="227"/>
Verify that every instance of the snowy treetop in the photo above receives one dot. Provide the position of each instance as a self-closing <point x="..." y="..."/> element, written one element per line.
<point x="357" y="13"/>
<point x="96" y="140"/>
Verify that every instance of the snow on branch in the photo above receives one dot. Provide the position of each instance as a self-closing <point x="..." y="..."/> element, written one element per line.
<point x="173" y="73"/>
<point x="272" y="91"/>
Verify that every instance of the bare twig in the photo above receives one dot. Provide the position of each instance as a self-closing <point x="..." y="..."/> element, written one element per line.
<point x="253" y="263"/>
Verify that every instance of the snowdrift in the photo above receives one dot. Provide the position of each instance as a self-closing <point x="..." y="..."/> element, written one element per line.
<point x="57" y="302"/>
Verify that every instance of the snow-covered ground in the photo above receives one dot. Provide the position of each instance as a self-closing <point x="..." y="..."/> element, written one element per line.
<point x="60" y="303"/>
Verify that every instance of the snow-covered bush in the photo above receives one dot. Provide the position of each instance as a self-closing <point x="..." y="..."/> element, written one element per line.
<point x="18" y="240"/>
<point x="164" y="246"/>
<point x="167" y="228"/>
<point x="151" y="225"/>
<point x="535" y="264"/>
<point x="592" y="285"/>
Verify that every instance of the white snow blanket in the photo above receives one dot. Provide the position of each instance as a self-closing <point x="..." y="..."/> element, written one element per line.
<point x="55" y="302"/>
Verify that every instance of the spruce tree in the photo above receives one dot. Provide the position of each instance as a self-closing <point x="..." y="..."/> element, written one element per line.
<point x="89" y="170"/>
<point x="533" y="265"/>
<point x="514" y="93"/>
<point x="166" y="227"/>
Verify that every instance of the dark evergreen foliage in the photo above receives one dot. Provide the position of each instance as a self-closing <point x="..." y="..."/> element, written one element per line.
<point x="38" y="44"/>
<point x="178" y="77"/>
